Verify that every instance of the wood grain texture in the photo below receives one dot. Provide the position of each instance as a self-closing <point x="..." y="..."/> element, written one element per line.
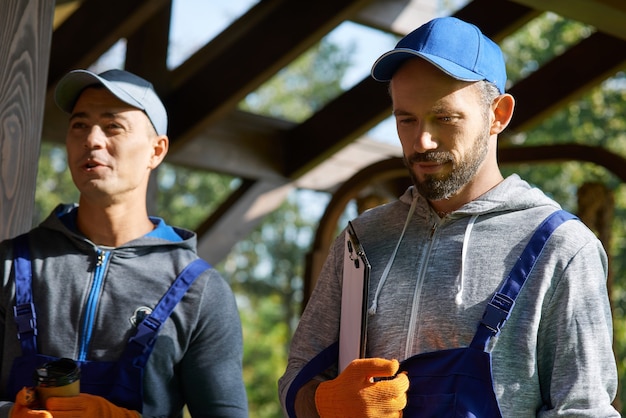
<point x="25" y="37"/>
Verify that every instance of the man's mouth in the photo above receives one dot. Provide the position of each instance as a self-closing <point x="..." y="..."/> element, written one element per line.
<point x="429" y="167"/>
<point x="430" y="163"/>
<point x="91" y="164"/>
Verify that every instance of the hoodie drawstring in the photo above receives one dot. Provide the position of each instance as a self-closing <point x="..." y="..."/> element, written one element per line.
<point x="381" y="282"/>
<point x="459" y="295"/>
<point x="459" y="286"/>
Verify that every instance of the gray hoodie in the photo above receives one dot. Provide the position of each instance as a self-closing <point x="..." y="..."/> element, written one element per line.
<point x="554" y="355"/>
<point x="197" y="358"/>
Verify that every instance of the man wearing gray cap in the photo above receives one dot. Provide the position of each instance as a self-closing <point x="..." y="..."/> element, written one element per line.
<point x="152" y="326"/>
<point x="485" y="298"/>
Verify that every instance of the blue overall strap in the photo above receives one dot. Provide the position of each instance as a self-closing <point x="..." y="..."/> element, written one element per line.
<point x="140" y="345"/>
<point x="501" y="304"/>
<point x="24" y="309"/>
<point x="315" y="366"/>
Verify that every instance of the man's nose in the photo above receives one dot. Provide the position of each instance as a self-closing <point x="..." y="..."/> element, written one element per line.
<point x="95" y="138"/>
<point x="424" y="141"/>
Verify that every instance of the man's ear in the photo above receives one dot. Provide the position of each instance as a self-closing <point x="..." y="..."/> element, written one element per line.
<point x="160" y="147"/>
<point x="502" y="108"/>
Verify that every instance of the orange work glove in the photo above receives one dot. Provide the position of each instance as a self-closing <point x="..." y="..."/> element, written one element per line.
<point x="85" y="405"/>
<point x="25" y="402"/>
<point x="355" y="392"/>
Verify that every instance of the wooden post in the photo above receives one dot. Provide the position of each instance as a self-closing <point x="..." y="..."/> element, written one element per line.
<point x="25" y="40"/>
<point x="596" y="208"/>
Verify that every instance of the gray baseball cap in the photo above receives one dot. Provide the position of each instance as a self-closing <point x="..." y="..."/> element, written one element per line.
<point x="128" y="87"/>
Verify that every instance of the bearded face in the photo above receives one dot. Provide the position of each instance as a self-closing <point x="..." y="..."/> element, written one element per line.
<point x="461" y="168"/>
<point x="445" y="128"/>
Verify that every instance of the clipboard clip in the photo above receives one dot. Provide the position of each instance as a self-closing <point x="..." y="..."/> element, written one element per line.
<point x="353" y="255"/>
<point x="354" y="297"/>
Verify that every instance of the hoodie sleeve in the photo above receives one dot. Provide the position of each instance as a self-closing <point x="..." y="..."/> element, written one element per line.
<point x="576" y="364"/>
<point x="212" y="367"/>
<point x="318" y="328"/>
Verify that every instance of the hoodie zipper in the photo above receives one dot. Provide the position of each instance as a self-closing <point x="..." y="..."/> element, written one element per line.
<point x="432" y="231"/>
<point x="102" y="258"/>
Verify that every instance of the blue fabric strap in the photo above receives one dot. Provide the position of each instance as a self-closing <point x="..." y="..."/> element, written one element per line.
<point x="495" y="315"/>
<point x="140" y="345"/>
<point x="318" y="364"/>
<point x="502" y="302"/>
<point x="130" y="366"/>
<point x="24" y="309"/>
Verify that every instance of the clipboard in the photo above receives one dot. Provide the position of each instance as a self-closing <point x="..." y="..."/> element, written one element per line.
<point x="354" y="296"/>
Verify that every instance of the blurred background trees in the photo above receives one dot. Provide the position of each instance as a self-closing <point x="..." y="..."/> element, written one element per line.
<point x="266" y="270"/>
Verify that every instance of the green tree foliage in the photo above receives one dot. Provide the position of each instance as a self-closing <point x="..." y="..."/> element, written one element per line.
<point x="303" y="87"/>
<point x="185" y="196"/>
<point x="54" y="181"/>
<point x="265" y="335"/>
<point x="539" y="41"/>
<point x="266" y="270"/>
<point x="266" y="273"/>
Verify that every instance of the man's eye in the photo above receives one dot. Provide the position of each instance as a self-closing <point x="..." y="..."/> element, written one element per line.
<point x="78" y="125"/>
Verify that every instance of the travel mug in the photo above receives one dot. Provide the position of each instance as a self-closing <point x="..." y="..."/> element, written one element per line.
<point x="57" y="378"/>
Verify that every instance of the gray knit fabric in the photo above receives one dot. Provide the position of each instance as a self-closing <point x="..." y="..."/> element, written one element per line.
<point x="197" y="358"/>
<point x="553" y="357"/>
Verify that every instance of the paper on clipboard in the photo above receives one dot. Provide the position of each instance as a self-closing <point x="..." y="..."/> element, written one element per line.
<point x="353" y="326"/>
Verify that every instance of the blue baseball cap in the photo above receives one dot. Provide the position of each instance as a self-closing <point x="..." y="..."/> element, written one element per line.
<point x="128" y="87"/>
<point x="457" y="48"/>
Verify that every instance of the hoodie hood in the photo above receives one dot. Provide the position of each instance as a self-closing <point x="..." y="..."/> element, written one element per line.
<point x="63" y="220"/>
<point x="511" y="194"/>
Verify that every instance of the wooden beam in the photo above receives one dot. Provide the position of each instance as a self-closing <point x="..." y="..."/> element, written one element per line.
<point x="244" y="56"/>
<point x="147" y="47"/>
<point x="238" y="216"/>
<point x="361" y="108"/>
<point x="496" y="18"/>
<point x="565" y="152"/>
<point x="335" y="126"/>
<point x="568" y="75"/>
<point x="241" y="144"/>
<point x="93" y="28"/>
<point x="24" y="54"/>
<point x="607" y="16"/>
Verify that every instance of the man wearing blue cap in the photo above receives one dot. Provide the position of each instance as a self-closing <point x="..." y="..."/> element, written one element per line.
<point x="485" y="298"/>
<point x="152" y="326"/>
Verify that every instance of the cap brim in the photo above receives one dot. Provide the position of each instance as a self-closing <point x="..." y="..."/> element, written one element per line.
<point x="388" y="63"/>
<point x="71" y="86"/>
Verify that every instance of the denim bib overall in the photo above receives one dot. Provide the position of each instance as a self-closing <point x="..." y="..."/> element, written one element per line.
<point x="121" y="381"/>
<point x="455" y="383"/>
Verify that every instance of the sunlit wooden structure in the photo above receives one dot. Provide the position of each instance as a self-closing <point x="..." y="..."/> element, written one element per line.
<point x="42" y="39"/>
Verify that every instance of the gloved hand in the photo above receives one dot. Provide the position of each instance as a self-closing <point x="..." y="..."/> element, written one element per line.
<point x="85" y="405"/>
<point x="355" y="392"/>
<point x="25" y="402"/>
